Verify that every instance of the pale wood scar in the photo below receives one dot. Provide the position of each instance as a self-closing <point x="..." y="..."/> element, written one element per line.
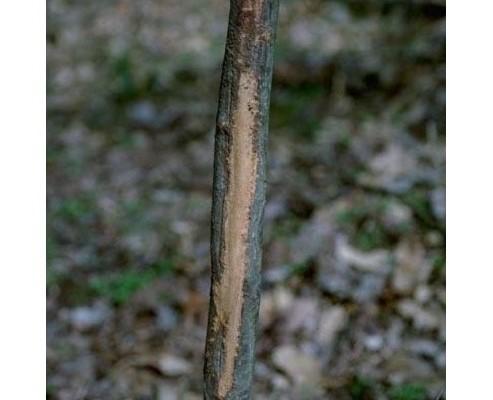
<point x="238" y="202"/>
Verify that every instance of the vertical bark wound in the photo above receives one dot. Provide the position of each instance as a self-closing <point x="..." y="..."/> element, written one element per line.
<point x="238" y="201"/>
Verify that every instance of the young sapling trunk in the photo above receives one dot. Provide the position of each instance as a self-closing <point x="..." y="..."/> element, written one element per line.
<point x="238" y="199"/>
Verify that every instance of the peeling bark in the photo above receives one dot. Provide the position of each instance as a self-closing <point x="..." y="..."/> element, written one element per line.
<point x="238" y="199"/>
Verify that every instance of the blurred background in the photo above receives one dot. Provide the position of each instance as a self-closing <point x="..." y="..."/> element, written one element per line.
<point x="353" y="302"/>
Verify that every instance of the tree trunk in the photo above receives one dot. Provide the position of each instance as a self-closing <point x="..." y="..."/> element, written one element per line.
<point x="238" y="199"/>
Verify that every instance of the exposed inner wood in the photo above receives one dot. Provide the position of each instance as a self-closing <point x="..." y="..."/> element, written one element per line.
<point x="238" y="201"/>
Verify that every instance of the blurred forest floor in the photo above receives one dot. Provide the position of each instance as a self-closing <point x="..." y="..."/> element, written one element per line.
<point x="353" y="302"/>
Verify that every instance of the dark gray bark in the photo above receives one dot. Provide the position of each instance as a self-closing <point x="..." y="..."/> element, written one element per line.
<point x="238" y="199"/>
